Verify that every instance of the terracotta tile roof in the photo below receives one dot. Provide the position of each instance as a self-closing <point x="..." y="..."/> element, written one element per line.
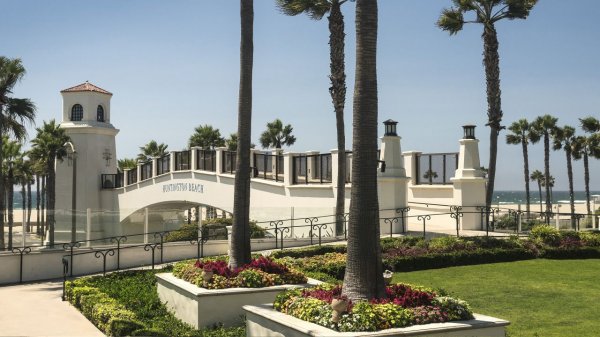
<point x="87" y="86"/>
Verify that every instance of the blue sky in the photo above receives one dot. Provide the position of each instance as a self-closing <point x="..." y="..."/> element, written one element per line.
<point x="173" y="65"/>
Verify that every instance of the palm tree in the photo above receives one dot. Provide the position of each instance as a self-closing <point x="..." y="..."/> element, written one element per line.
<point x="588" y="147"/>
<point x="277" y="135"/>
<point x="231" y="142"/>
<point x="316" y="9"/>
<point x="151" y="150"/>
<point x="564" y="138"/>
<point x="364" y="272"/>
<point x="24" y="176"/>
<point x="239" y="251"/>
<point x="538" y="176"/>
<point x="14" y="114"/>
<point x="206" y="137"/>
<point x="487" y="13"/>
<point x="126" y="164"/>
<point x="39" y="168"/>
<point x="546" y="126"/>
<point x="523" y="134"/>
<point x="11" y="152"/>
<point x="50" y="141"/>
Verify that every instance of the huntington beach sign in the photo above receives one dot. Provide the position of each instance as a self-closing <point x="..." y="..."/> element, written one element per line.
<point x="183" y="187"/>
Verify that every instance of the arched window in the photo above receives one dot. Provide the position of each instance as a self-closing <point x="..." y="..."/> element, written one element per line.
<point x="100" y="114"/>
<point x="77" y="112"/>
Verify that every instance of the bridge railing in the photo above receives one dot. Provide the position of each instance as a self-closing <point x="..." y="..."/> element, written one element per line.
<point x="146" y="170"/>
<point x="132" y="176"/>
<point x="436" y="168"/>
<point x="268" y="166"/>
<point x="312" y="169"/>
<point x="163" y="164"/>
<point x="183" y="160"/>
<point x="228" y="162"/>
<point x="112" y="180"/>
<point x="206" y="160"/>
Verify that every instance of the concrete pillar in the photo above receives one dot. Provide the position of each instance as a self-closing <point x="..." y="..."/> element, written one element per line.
<point x="154" y="167"/>
<point x="194" y="158"/>
<point x="469" y="184"/>
<point x="274" y="164"/>
<point x="172" y="161"/>
<point x="288" y="168"/>
<point x="392" y="183"/>
<point x="411" y="165"/>
<point x="219" y="159"/>
<point x="334" y="168"/>
<point x="139" y="172"/>
<point x="125" y="178"/>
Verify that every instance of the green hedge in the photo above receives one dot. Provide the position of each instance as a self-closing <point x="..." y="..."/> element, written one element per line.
<point x="308" y="252"/>
<point x="127" y="304"/>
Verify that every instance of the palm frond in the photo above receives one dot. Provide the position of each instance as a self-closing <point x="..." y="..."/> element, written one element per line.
<point x="315" y="9"/>
<point x="451" y="20"/>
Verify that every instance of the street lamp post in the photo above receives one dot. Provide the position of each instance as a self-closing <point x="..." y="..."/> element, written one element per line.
<point x="73" y="193"/>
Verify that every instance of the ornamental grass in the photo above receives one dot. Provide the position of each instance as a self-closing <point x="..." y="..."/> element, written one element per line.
<point x="404" y="305"/>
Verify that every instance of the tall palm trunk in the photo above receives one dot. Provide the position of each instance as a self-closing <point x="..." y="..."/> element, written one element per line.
<point x="50" y="195"/>
<point x="24" y="226"/>
<point x="338" y="96"/>
<point x="547" y="170"/>
<point x="526" y="169"/>
<point x="37" y="204"/>
<point x="491" y="62"/>
<point x="11" y="191"/>
<point x="586" y="179"/>
<point x="240" y="237"/>
<point x="364" y="272"/>
<point x="29" y="203"/>
<point x="540" y="190"/>
<point x="571" y="192"/>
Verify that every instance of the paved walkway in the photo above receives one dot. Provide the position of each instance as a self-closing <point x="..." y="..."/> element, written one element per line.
<point x="36" y="310"/>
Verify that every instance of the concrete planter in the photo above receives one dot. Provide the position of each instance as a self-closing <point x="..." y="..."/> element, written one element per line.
<point x="263" y="321"/>
<point x="201" y="307"/>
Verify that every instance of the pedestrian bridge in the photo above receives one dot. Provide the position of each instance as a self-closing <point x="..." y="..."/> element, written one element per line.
<point x="281" y="183"/>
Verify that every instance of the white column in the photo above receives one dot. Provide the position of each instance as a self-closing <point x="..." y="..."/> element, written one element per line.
<point x="334" y="170"/>
<point x="288" y="168"/>
<point x="469" y="184"/>
<point x="172" y="161"/>
<point x="392" y="183"/>
<point x="154" y="167"/>
<point x="219" y="159"/>
<point x="194" y="158"/>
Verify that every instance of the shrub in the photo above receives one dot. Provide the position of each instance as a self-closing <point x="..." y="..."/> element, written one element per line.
<point x="591" y="239"/>
<point x="506" y="221"/>
<point x="308" y="252"/>
<point x="450" y="243"/>
<point x="547" y="234"/>
<point x="149" y="333"/>
<point x="404" y="306"/>
<point x="123" y="327"/>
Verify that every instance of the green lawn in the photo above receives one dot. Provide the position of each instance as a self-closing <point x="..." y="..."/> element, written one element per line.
<point x="539" y="297"/>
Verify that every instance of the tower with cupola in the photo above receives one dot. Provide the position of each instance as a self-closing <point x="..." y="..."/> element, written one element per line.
<point x="86" y="119"/>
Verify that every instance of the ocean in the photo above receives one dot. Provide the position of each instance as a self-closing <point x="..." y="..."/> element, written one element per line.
<point x="500" y="197"/>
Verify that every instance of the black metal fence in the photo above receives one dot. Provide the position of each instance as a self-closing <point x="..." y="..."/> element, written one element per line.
<point x="163" y="164"/>
<point x="268" y="166"/>
<point x="228" y="165"/>
<point x="311" y="169"/>
<point x="206" y="160"/>
<point x="319" y="228"/>
<point x="109" y="181"/>
<point x="132" y="176"/>
<point x="436" y="168"/>
<point x="182" y="161"/>
<point x="146" y="170"/>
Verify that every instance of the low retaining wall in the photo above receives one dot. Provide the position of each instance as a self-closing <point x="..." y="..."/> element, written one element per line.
<point x="263" y="321"/>
<point x="46" y="264"/>
<point x="202" y="307"/>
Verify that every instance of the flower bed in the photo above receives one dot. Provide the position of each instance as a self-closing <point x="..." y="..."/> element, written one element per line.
<point x="216" y="274"/>
<point x="414" y="253"/>
<point x="404" y="305"/>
